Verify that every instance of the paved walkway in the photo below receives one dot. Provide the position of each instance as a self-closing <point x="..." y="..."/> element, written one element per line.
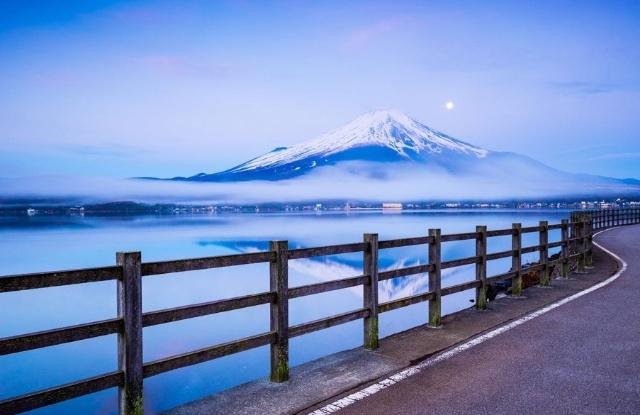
<point x="580" y="358"/>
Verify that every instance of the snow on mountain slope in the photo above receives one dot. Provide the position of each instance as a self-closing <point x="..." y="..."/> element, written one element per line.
<point x="387" y="129"/>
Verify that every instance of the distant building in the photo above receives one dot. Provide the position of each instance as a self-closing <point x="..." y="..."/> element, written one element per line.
<point x="397" y="206"/>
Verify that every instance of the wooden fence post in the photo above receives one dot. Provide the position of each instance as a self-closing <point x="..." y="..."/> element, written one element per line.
<point x="370" y="294"/>
<point x="565" y="248"/>
<point x="279" y="282"/>
<point x="544" y="253"/>
<point x="130" y="394"/>
<point x="573" y="230"/>
<point x="580" y="245"/>
<point x="613" y="217"/>
<point x="435" y="278"/>
<point x="599" y="219"/>
<point x="481" y="267"/>
<point x="516" y="259"/>
<point x="589" y="240"/>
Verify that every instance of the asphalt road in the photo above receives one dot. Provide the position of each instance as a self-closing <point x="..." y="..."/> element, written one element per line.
<point x="580" y="358"/>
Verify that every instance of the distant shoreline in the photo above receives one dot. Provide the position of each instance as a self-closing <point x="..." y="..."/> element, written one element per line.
<point x="132" y="208"/>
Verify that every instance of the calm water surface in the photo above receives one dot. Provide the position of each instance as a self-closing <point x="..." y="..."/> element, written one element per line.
<point x="43" y="243"/>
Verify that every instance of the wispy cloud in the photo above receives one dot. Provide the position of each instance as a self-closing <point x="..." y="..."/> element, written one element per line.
<point x="613" y="156"/>
<point x="175" y="65"/>
<point x="584" y="87"/>
<point x="584" y="150"/>
<point x="98" y="150"/>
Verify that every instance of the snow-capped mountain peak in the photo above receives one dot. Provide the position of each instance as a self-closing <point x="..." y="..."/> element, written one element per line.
<point x="382" y="129"/>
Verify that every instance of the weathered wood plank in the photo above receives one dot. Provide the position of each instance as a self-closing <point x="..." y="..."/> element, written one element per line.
<point x="326" y="250"/>
<point x="169" y="315"/>
<point x="481" y="267"/>
<point x="194" y="264"/>
<point x="279" y="311"/>
<point x="58" y="278"/>
<point x="370" y="291"/>
<point x="404" y="302"/>
<point x="589" y="239"/>
<point x="397" y="243"/>
<point x="30" y="341"/>
<point x="458" y="236"/>
<point x="403" y="272"/>
<point x="497" y="255"/>
<point x="60" y="393"/>
<point x="321" y="287"/>
<point x="208" y="353"/>
<point x="500" y="232"/>
<point x="544" y="253"/>
<point x="530" y="249"/>
<point x="460" y="287"/>
<point x="435" y="278"/>
<point x="325" y="323"/>
<point x="530" y="229"/>
<point x="459" y="262"/>
<point x="581" y="242"/>
<point x="516" y="259"/>
<point x="555" y="226"/>
<point x="557" y="244"/>
<point x="130" y="393"/>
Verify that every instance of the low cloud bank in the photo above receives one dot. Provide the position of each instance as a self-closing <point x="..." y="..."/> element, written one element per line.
<point x="355" y="181"/>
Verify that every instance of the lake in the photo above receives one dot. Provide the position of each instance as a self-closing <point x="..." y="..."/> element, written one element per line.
<point x="47" y="243"/>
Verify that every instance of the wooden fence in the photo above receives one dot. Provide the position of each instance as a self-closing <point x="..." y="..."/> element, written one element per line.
<point x="575" y="244"/>
<point x="606" y="218"/>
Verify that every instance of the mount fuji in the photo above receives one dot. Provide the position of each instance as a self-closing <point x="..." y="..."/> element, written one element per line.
<point x="388" y="147"/>
<point x="372" y="139"/>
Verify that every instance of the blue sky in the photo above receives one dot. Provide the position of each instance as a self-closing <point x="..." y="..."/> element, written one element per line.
<point x="162" y="88"/>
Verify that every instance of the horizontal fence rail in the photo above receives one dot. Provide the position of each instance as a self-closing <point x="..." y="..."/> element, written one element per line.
<point x="575" y="245"/>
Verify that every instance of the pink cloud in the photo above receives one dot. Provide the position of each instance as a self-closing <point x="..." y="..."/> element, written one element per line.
<point x="366" y="34"/>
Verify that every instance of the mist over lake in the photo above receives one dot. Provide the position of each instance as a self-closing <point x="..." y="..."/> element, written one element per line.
<point x="43" y="243"/>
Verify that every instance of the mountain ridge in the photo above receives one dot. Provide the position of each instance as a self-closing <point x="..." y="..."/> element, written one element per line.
<point x="376" y="136"/>
<point x="382" y="138"/>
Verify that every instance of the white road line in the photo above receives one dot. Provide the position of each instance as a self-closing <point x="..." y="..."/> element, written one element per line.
<point x="410" y="371"/>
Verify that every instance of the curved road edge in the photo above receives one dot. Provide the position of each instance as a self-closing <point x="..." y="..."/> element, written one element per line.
<point x="413" y="370"/>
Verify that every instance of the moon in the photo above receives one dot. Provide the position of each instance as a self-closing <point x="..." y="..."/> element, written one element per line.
<point x="449" y="105"/>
